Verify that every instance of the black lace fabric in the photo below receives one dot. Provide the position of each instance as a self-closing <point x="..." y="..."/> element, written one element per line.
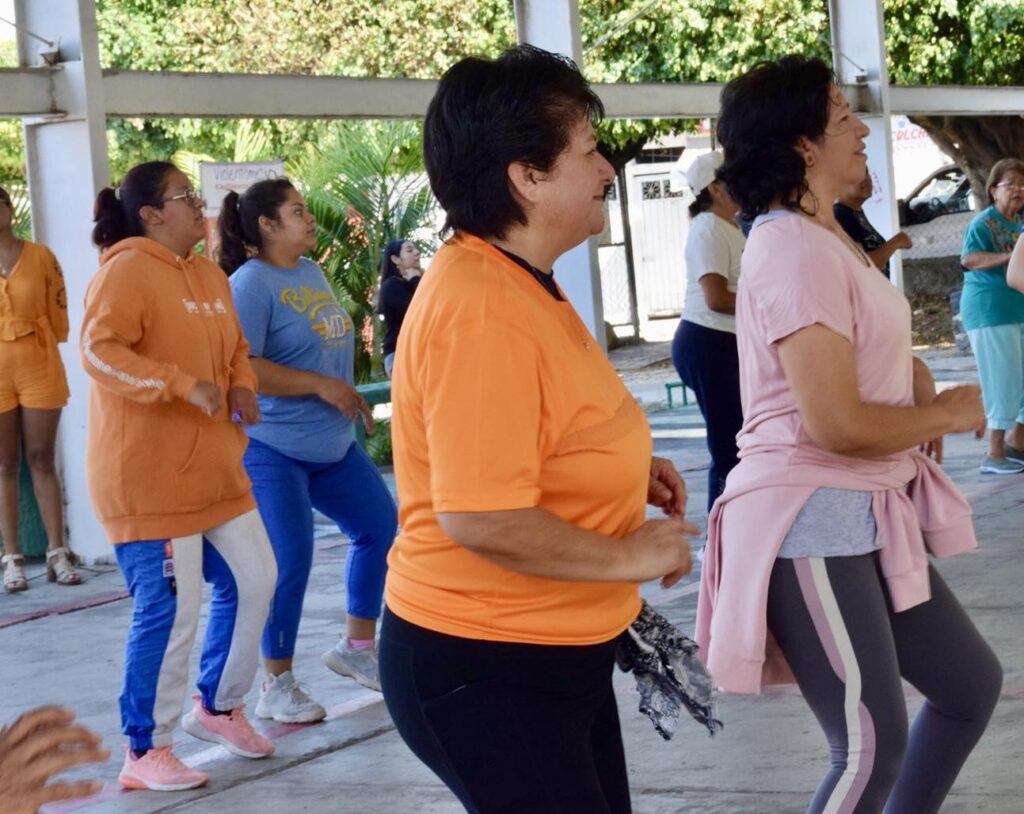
<point x="669" y="675"/>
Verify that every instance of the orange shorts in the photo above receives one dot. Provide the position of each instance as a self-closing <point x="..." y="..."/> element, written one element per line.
<point x="31" y="375"/>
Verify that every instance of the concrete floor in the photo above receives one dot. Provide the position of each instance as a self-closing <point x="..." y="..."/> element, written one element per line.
<point x="64" y="645"/>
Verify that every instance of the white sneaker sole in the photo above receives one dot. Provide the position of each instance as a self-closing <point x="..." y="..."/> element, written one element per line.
<point x="310" y="717"/>
<point x="991" y="470"/>
<point x="131" y="781"/>
<point x="197" y="730"/>
<point x="336" y="665"/>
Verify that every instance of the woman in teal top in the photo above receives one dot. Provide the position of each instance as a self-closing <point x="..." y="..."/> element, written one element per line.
<point x="993" y="315"/>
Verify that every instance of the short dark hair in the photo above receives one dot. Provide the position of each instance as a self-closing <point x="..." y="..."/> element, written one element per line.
<point x="487" y="114"/>
<point x="763" y="114"/>
<point x="238" y="225"/>
<point x="999" y="171"/>
<point x="116" y="212"/>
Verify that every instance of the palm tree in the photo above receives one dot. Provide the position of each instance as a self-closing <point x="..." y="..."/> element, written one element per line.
<point x="365" y="186"/>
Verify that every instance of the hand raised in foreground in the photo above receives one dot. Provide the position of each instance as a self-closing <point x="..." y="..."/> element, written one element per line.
<point x="661" y="550"/>
<point x="40" y="744"/>
<point x="207" y="397"/>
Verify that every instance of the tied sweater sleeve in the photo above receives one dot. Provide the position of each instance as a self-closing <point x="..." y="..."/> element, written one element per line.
<point x="115" y="315"/>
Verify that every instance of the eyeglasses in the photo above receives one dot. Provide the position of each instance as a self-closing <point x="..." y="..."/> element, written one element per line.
<point x="1011" y="184"/>
<point x="189" y="196"/>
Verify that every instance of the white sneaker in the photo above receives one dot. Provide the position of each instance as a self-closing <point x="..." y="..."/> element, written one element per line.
<point x="288" y="702"/>
<point x="358" y="664"/>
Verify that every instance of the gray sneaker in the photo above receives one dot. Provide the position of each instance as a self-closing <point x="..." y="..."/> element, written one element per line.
<point x="1013" y="454"/>
<point x="285" y="700"/>
<point x="991" y="466"/>
<point x="358" y="664"/>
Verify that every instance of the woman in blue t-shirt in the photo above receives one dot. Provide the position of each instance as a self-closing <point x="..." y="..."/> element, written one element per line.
<point x="993" y="315"/>
<point x="302" y="455"/>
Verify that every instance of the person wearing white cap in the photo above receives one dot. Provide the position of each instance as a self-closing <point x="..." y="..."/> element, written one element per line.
<point x="704" y="346"/>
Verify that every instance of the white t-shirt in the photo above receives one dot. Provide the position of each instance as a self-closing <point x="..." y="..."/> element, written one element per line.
<point x="713" y="246"/>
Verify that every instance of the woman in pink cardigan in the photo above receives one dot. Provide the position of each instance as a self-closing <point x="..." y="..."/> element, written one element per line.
<point x="817" y="562"/>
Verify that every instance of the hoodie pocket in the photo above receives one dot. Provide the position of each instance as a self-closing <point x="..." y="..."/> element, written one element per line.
<point x="213" y="470"/>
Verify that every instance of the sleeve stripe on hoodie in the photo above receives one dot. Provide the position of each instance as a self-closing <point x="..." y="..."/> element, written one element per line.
<point x="120" y="375"/>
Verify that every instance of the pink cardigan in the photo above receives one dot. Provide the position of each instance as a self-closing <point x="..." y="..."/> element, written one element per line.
<point x="759" y="506"/>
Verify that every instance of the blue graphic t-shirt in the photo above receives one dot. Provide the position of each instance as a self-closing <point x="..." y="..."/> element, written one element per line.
<point x="291" y="317"/>
<point x="987" y="300"/>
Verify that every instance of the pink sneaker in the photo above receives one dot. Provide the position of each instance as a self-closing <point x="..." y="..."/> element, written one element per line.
<point x="233" y="732"/>
<point x="158" y="770"/>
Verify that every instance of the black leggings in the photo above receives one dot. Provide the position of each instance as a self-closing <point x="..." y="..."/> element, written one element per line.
<point x="833" y="619"/>
<point x="709" y="364"/>
<point x="509" y="728"/>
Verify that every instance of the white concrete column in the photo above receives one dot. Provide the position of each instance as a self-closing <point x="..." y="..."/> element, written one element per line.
<point x="554" y="25"/>
<point x="66" y="156"/>
<point x="859" y="59"/>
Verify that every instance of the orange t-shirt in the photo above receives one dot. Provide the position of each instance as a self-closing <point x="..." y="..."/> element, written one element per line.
<point x="503" y="400"/>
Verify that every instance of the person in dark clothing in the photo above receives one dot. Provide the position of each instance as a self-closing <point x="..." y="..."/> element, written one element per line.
<point x="704" y="345"/>
<point x="849" y="213"/>
<point x="399" y="276"/>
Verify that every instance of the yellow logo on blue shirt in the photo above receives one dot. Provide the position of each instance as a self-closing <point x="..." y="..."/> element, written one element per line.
<point x="332" y="327"/>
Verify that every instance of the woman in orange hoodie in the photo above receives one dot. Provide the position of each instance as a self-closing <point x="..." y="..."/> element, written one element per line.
<point x="171" y="382"/>
<point x="33" y="390"/>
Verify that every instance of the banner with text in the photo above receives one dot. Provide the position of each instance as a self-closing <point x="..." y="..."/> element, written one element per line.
<point x="217" y="179"/>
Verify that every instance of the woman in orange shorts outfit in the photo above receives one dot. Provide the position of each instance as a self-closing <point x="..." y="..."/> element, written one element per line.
<point x="33" y="390"/>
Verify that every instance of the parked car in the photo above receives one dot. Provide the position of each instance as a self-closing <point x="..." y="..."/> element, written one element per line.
<point x="936" y="213"/>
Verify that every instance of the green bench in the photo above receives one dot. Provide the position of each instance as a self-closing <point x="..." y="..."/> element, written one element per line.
<point x="374" y="393"/>
<point x="670" y="387"/>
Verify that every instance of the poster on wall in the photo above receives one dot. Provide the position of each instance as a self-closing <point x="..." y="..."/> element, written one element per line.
<point x="217" y="179"/>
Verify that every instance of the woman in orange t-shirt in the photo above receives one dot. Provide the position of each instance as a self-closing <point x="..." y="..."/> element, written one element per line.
<point x="523" y="464"/>
<point x="33" y="390"/>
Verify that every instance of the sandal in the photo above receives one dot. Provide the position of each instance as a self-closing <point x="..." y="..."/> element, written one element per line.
<point x="14" y="573"/>
<point x="59" y="567"/>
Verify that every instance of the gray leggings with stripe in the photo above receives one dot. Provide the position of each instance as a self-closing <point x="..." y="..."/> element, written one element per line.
<point x="848" y="650"/>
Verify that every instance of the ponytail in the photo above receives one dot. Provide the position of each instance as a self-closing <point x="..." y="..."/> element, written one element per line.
<point x="116" y="212"/>
<point x="238" y="225"/>
<point x="702" y="203"/>
<point x="231" y="250"/>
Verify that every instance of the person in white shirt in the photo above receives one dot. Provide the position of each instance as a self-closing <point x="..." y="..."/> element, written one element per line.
<point x="704" y="346"/>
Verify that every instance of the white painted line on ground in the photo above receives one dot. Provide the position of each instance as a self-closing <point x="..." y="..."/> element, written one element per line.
<point x="278" y="731"/>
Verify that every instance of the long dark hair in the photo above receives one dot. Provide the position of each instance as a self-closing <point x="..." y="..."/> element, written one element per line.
<point x="764" y="113"/>
<point x="239" y="223"/>
<point x="702" y="203"/>
<point x="116" y="212"/>
<point x="388" y="269"/>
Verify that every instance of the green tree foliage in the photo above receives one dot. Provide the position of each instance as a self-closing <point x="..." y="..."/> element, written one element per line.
<point x="961" y="42"/>
<point x="401" y="38"/>
<point x="365" y="185"/>
<point x="929" y="41"/>
<point x="695" y="41"/>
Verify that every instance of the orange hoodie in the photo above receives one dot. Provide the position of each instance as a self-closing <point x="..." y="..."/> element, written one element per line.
<point x="154" y="325"/>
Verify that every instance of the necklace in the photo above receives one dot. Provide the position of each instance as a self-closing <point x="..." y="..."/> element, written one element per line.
<point x="853" y="246"/>
<point x="845" y="238"/>
<point x="9" y="259"/>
